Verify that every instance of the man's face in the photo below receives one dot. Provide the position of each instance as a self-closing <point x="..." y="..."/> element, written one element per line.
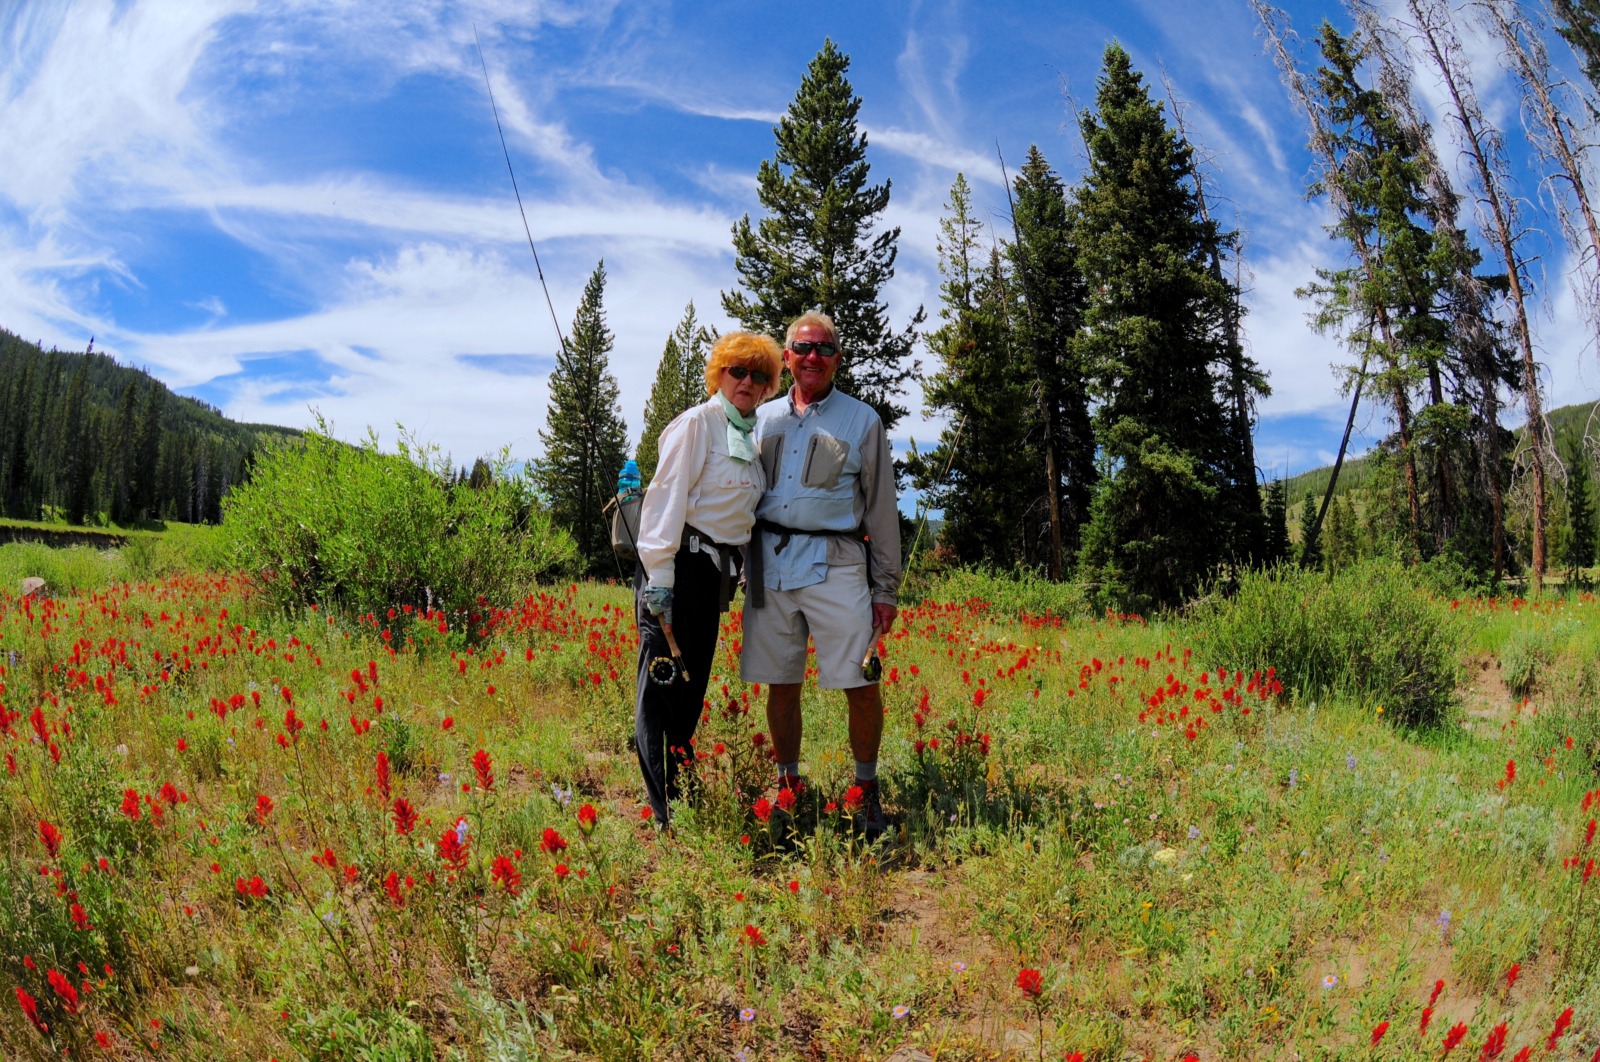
<point x="813" y="372"/>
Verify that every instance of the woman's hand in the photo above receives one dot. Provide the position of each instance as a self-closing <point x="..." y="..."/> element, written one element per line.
<point x="658" y="599"/>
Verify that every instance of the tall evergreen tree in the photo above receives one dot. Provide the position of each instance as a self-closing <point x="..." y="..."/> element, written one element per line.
<point x="982" y="473"/>
<point x="1310" y="547"/>
<point x="1581" y="528"/>
<point x="118" y="456"/>
<point x="1047" y="326"/>
<point x="585" y="439"/>
<point x="817" y="248"/>
<point x="145" y="485"/>
<point x="1578" y="21"/>
<point x="1275" y="546"/>
<point x="679" y="385"/>
<point x="1151" y="344"/>
<point x="78" y="468"/>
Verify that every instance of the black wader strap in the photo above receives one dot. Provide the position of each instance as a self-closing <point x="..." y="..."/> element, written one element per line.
<point x="727" y="560"/>
<point x="755" y="588"/>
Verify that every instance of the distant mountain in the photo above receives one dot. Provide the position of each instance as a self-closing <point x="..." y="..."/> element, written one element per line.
<point x="86" y="438"/>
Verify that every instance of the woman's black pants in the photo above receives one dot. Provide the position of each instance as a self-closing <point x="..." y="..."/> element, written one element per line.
<point x="665" y="717"/>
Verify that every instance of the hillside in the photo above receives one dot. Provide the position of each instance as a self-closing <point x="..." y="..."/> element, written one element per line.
<point x="1568" y="426"/>
<point x="82" y="437"/>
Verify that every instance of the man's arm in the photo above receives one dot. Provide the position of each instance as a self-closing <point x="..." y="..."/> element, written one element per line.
<point x="881" y="518"/>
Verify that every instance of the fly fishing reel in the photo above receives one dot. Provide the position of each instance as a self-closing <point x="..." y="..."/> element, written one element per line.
<point x="665" y="670"/>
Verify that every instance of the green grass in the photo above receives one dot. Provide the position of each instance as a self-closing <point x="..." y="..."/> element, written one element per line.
<point x="1196" y="861"/>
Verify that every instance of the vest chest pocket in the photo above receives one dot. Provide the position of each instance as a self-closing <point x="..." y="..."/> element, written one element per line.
<point x="825" y="460"/>
<point x="771" y="456"/>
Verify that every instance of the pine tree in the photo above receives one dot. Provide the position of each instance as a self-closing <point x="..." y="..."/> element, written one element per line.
<point x="679" y="385"/>
<point x="983" y="471"/>
<point x="1579" y="24"/>
<point x="78" y="469"/>
<point x="1581" y="529"/>
<point x="585" y="439"/>
<point x="816" y="248"/>
<point x="145" y="487"/>
<point x="1310" y="548"/>
<point x="1275" y="547"/>
<point x="1048" y="324"/>
<point x="117" y="457"/>
<point x="1151" y="346"/>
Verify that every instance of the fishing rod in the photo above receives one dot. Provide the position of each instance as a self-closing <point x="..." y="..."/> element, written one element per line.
<point x="537" y="268"/>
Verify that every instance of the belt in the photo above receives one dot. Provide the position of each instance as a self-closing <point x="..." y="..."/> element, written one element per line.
<point x="755" y="591"/>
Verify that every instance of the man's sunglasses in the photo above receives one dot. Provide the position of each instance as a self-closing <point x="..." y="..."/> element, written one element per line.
<point x="739" y="372"/>
<point x="802" y="348"/>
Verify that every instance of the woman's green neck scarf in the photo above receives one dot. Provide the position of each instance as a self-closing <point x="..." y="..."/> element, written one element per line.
<point x="739" y="428"/>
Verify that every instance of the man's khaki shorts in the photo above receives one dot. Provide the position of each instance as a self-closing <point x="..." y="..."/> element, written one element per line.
<point x="836" y="613"/>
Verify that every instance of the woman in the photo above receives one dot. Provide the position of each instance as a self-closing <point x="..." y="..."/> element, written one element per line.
<point x="696" y="516"/>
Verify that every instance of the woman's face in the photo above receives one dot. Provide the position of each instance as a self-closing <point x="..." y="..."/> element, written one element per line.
<point x="745" y="394"/>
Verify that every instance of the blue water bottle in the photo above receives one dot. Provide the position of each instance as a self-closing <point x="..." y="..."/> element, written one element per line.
<point x="628" y="478"/>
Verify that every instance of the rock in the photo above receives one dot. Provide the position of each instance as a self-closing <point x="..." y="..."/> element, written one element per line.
<point x="33" y="586"/>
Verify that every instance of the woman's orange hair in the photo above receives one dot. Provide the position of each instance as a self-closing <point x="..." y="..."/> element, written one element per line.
<point x="753" y="351"/>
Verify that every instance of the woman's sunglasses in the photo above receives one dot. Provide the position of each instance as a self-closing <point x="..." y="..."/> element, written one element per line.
<point x="739" y="372"/>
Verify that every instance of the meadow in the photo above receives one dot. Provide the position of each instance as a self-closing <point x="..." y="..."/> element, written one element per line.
<point x="236" y="830"/>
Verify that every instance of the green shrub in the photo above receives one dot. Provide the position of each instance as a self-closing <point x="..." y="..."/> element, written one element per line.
<point x="1367" y="631"/>
<point x="323" y="522"/>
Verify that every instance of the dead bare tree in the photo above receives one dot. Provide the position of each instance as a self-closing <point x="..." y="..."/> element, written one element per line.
<point x="1433" y="34"/>
<point x="1280" y="35"/>
<point x="1469" y="296"/>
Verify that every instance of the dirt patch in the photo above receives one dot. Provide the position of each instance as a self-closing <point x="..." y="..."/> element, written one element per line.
<point x="1484" y="694"/>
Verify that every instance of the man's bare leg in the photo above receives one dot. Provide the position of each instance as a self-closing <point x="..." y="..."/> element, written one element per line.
<point x="783" y="719"/>
<point x="866" y="721"/>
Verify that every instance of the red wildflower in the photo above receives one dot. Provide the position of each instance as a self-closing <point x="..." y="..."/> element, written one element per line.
<point x="1527" y="1053"/>
<point x="1562" y="1021"/>
<point x="853" y="797"/>
<point x="1377" y="1032"/>
<point x="30" y="1007"/>
<point x="1457" y="1033"/>
<point x="505" y="874"/>
<point x="80" y="917"/>
<point x="1427" y="1017"/>
<point x="254" y="887"/>
<point x="405" y="816"/>
<point x="264" y="808"/>
<point x="562" y="871"/>
<point x="383" y="775"/>
<point x="130" y="803"/>
<point x="391" y="885"/>
<point x="1031" y="982"/>
<point x="1495" y="1044"/>
<point x="1512" y="975"/>
<point x="452" y="848"/>
<point x="753" y="936"/>
<point x="51" y="838"/>
<point x="786" y="798"/>
<point x="586" y="818"/>
<point x="64" y="989"/>
<point x="1588" y="834"/>
<point x="484" y="770"/>
<point x="763" y="809"/>
<point x="551" y="841"/>
<point x="1438" y="987"/>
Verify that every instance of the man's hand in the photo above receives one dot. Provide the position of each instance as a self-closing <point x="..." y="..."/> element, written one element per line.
<point x="658" y="600"/>
<point x="883" y="617"/>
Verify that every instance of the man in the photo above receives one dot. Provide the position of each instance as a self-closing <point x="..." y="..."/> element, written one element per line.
<point x="830" y="485"/>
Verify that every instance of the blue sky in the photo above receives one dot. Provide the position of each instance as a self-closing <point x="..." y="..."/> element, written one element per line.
<point x="288" y="204"/>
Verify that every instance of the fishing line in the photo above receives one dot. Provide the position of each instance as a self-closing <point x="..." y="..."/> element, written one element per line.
<point x="516" y="191"/>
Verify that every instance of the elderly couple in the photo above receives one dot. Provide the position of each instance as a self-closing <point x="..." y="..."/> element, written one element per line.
<point x="804" y="487"/>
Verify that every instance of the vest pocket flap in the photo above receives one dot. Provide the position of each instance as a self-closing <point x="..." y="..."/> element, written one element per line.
<point x="771" y="452"/>
<point x="825" y="459"/>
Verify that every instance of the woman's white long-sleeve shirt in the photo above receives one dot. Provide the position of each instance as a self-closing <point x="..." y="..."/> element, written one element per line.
<point x="696" y="482"/>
